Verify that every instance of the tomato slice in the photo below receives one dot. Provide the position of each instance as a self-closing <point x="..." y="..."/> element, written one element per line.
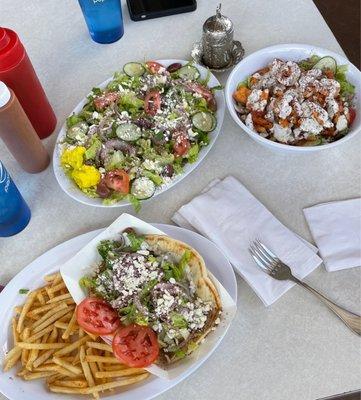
<point x="105" y="100"/>
<point x="352" y="116"/>
<point x="154" y="67"/>
<point x="96" y="316"/>
<point x="152" y="102"/>
<point x="136" y="346"/>
<point x="181" y="143"/>
<point x="205" y="93"/>
<point x="117" y="180"/>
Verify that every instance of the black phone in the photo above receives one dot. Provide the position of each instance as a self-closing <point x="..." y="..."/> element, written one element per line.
<point x="147" y="9"/>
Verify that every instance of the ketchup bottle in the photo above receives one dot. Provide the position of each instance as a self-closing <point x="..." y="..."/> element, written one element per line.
<point x="17" y="72"/>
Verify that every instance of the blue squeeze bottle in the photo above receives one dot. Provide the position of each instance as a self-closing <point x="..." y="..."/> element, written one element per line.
<point x="104" y="19"/>
<point x="14" y="212"/>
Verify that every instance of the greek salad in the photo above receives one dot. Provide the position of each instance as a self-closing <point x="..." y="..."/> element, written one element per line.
<point x="306" y="103"/>
<point x="147" y="291"/>
<point x="138" y="133"/>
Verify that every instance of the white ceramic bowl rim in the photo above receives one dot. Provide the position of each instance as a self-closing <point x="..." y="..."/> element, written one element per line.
<point x="305" y="51"/>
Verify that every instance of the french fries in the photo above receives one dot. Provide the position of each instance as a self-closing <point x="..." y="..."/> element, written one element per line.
<point x="50" y="345"/>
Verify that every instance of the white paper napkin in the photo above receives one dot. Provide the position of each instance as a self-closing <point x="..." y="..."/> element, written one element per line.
<point x="229" y="215"/>
<point x="336" y="229"/>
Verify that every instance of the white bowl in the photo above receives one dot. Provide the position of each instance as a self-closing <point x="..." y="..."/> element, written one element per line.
<point x="293" y="52"/>
<point x="74" y="192"/>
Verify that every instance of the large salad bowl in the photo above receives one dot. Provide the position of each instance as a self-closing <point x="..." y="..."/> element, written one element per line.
<point x="290" y="52"/>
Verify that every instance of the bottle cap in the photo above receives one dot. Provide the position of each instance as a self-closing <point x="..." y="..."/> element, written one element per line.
<point x="4" y="94"/>
<point x="11" y="49"/>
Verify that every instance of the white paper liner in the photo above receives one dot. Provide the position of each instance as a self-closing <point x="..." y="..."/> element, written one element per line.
<point x="84" y="262"/>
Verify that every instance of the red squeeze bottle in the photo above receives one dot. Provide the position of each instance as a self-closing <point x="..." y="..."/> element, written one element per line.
<point x="17" y="72"/>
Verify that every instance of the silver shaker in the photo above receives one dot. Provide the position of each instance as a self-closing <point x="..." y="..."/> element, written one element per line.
<point x="217" y="40"/>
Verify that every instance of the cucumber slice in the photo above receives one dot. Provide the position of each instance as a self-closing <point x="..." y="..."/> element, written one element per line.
<point x="78" y="131"/>
<point x="134" y="69"/>
<point x="204" y="121"/>
<point x="326" y="63"/>
<point x="143" y="188"/>
<point x="189" y="72"/>
<point x="128" y="132"/>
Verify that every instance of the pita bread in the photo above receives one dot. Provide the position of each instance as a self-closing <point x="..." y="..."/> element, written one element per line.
<point x="205" y="288"/>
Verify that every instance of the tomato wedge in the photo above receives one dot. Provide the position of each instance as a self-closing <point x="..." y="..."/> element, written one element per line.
<point x="97" y="317"/>
<point x="105" y="100"/>
<point x="181" y="143"/>
<point x="117" y="180"/>
<point x="154" y="67"/>
<point x="205" y="93"/>
<point x="352" y="115"/>
<point x="152" y="102"/>
<point x="136" y="346"/>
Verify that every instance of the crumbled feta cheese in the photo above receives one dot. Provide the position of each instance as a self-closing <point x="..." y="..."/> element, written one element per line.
<point x="191" y="133"/>
<point x="341" y="123"/>
<point x="152" y="165"/>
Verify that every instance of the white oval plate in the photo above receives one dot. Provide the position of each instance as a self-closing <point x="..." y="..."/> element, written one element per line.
<point x="72" y="190"/>
<point x="31" y="277"/>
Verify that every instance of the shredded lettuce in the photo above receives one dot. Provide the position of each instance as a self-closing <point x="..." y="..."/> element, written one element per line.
<point x="203" y="137"/>
<point x="114" y="198"/>
<point x="107" y="249"/>
<point x="115" y="160"/>
<point x="73" y="120"/>
<point x="134" y="202"/>
<point x="193" y="153"/>
<point x="131" y="315"/>
<point x="90" y="192"/>
<point x="135" y="241"/>
<point x="205" y="81"/>
<point x="244" y="83"/>
<point x="201" y="105"/>
<point x="215" y="88"/>
<point x="155" y="178"/>
<point x="308" y="63"/>
<point x="180" y="353"/>
<point x="91" y="151"/>
<point x="144" y="294"/>
<point x="346" y="88"/>
<point x="176" y="271"/>
<point x="87" y="283"/>
<point x="130" y="103"/>
<point x="178" y="321"/>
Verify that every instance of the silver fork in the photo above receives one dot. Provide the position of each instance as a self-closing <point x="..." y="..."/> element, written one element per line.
<point x="274" y="267"/>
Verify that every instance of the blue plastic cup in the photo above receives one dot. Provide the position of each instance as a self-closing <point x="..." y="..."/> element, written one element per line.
<point x="14" y="212"/>
<point x="104" y="19"/>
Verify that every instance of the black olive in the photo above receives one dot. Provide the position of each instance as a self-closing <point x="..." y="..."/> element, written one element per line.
<point x="174" y="67"/>
<point x="168" y="170"/>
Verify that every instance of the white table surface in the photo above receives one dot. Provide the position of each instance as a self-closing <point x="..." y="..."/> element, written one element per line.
<point x="295" y="349"/>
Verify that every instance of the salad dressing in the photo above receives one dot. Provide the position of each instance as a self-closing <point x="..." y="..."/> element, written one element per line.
<point x="19" y="135"/>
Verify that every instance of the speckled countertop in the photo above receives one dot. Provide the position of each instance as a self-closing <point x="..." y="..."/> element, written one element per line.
<point x="295" y="349"/>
